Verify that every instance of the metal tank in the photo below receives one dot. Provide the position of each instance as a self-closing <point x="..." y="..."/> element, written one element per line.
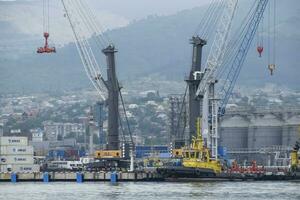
<point x="234" y="132"/>
<point x="265" y="131"/>
<point x="291" y="129"/>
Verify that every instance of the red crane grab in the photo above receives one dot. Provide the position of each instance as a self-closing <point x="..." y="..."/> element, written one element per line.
<point x="260" y="50"/>
<point x="46" y="48"/>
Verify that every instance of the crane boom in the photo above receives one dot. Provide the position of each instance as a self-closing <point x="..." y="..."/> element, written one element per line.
<point x="87" y="56"/>
<point x="239" y="58"/>
<point x="205" y="88"/>
<point x="218" y="47"/>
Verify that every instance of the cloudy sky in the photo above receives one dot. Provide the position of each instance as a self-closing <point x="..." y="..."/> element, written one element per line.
<point x="135" y="9"/>
<point x="110" y="13"/>
<point x="140" y="8"/>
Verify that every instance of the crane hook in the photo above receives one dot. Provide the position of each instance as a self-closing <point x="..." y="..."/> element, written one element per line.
<point x="272" y="67"/>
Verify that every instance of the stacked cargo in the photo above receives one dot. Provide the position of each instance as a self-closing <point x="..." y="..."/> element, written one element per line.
<point x="16" y="155"/>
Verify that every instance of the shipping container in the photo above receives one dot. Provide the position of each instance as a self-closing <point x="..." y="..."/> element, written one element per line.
<point x="13" y="141"/>
<point x="56" y="154"/>
<point x="17" y="159"/>
<point x="20" y="168"/>
<point x="16" y="150"/>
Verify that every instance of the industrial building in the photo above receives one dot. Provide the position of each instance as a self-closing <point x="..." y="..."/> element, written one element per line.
<point x="55" y="130"/>
<point x="265" y="135"/>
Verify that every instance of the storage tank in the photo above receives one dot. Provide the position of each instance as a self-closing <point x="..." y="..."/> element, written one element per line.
<point x="265" y="131"/>
<point x="234" y="132"/>
<point x="291" y="130"/>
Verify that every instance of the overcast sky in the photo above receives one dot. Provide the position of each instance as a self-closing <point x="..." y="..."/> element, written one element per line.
<point x="133" y="9"/>
<point x="110" y="13"/>
<point x="136" y="9"/>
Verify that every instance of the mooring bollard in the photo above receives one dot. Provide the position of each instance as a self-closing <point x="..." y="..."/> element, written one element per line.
<point x="79" y="177"/>
<point x="114" y="177"/>
<point x="14" y="177"/>
<point x="46" y="177"/>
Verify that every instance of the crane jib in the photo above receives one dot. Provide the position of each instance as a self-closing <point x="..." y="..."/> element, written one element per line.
<point x="240" y="55"/>
<point x="219" y="46"/>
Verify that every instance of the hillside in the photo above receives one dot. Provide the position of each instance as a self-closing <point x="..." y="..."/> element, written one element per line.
<point x="155" y="45"/>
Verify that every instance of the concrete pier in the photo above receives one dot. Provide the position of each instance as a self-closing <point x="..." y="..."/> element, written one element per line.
<point x="86" y="176"/>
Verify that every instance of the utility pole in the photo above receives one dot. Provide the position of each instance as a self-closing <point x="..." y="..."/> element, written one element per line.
<point x="113" y="99"/>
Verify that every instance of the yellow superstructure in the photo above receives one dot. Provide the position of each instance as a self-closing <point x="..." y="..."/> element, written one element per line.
<point x="177" y="153"/>
<point x="198" y="156"/>
<point x="295" y="161"/>
<point x="108" y="154"/>
<point x="294" y="158"/>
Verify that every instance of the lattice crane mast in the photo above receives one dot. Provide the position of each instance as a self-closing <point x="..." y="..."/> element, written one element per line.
<point x="240" y="55"/>
<point x="213" y="107"/>
<point x="214" y="60"/>
<point x="218" y="47"/>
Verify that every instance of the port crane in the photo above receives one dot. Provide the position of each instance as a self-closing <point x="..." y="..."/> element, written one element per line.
<point x="216" y="106"/>
<point x="240" y="54"/>
<point x="206" y="86"/>
<point x="223" y="65"/>
<point x="201" y="157"/>
<point x="83" y="23"/>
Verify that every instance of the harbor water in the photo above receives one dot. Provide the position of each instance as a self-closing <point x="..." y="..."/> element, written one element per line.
<point x="150" y="190"/>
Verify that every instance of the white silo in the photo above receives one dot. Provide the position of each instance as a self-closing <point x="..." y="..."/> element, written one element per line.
<point x="234" y="132"/>
<point x="291" y="130"/>
<point x="265" y="131"/>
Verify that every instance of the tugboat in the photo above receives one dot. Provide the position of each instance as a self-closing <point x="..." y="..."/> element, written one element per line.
<point x="295" y="162"/>
<point x="196" y="161"/>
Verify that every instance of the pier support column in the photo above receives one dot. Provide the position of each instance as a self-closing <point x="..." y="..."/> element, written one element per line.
<point x="79" y="177"/>
<point x="13" y="177"/>
<point x="46" y="177"/>
<point x="114" y="177"/>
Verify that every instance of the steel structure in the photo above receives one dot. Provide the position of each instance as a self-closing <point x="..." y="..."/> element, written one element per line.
<point x="213" y="108"/>
<point x="177" y="120"/>
<point x="82" y="22"/>
<point x="193" y="82"/>
<point x="205" y="87"/>
<point x="113" y="99"/>
<point x="241" y="53"/>
<point x="218" y="47"/>
<point x="87" y="56"/>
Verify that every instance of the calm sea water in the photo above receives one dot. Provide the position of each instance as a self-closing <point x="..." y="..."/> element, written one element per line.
<point x="145" y="191"/>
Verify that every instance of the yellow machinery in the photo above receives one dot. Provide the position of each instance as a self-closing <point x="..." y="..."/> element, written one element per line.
<point x="198" y="156"/>
<point x="295" y="162"/>
<point x="108" y="154"/>
<point x="177" y="153"/>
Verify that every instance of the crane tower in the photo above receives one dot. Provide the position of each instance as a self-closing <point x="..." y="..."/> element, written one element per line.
<point x="113" y="99"/>
<point x="193" y="81"/>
